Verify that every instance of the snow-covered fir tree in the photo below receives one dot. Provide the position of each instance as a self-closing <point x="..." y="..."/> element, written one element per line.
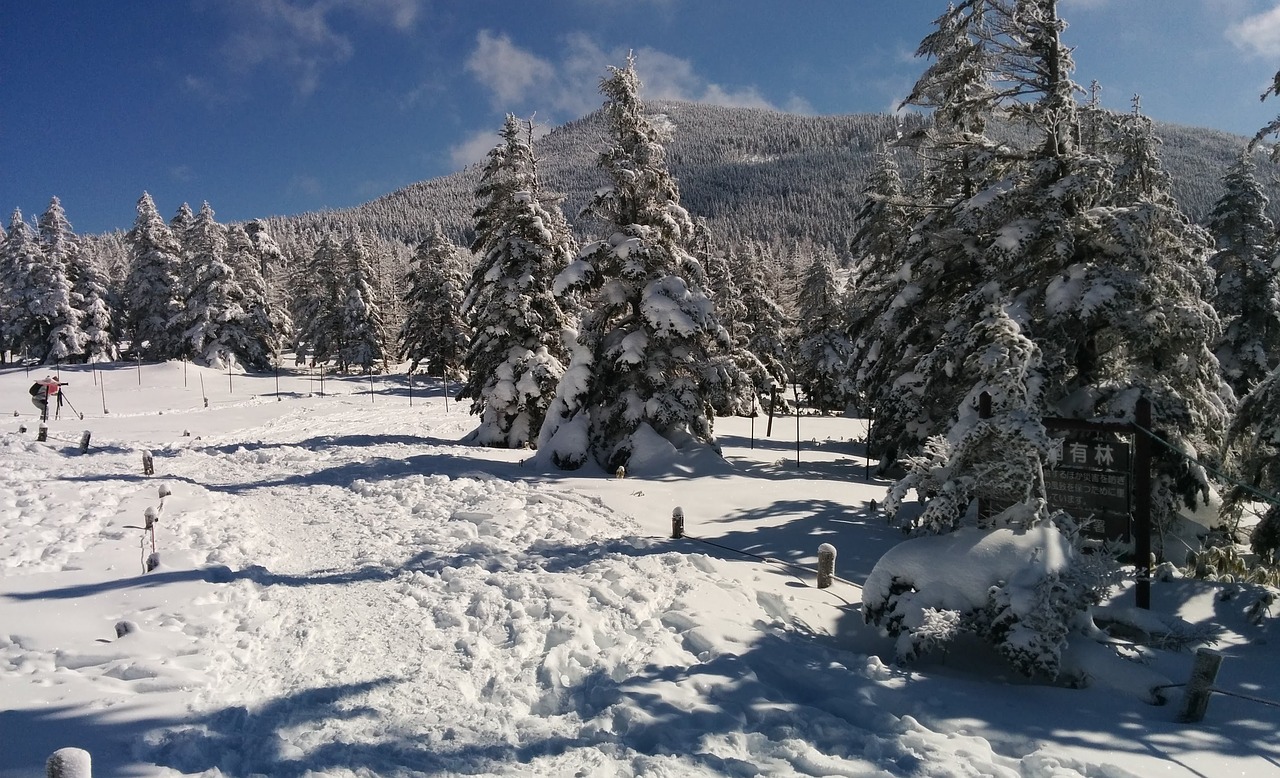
<point x="434" y="333"/>
<point x="1247" y="291"/>
<point x="764" y="324"/>
<point x="43" y="323"/>
<point x="90" y="287"/>
<point x="211" y="319"/>
<point x="1254" y="439"/>
<point x="1107" y="281"/>
<point x="317" y="312"/>
<point x="22" y="256"/>
<point x="150" y="297"/>
<point x="739" y="372"/>
<point x="998" y="458"/>
<point x="63" y="258"/>
<point x="822" y="348"/>
<point x="257" y="337"/>
<point x="646" y="332"/>
<point x="877" y="246"/>
<point x="516" y="356"/>
<point x="363" y="342"/>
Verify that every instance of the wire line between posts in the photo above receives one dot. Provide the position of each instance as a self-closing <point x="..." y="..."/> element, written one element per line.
<point x="1264" y="496"/>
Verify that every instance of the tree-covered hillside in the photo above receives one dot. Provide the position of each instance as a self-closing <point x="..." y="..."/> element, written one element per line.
<point x="750" y="172"/>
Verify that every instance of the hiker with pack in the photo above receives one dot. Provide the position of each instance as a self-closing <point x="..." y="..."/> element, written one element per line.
<point x="45" y="390"/>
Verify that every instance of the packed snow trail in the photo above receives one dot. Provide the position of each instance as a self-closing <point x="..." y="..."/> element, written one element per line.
<point x="450" y="623"/>
<point x="372" y="600"/>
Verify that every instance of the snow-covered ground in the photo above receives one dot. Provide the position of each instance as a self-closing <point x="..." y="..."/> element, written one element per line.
<point x="345" y="590"/>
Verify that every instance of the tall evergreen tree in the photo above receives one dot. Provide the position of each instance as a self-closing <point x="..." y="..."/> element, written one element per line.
<point x="1247" y="291"/>
<point x="265" y="324"/>
<point x="764" y="322"/>
<point x="363" y="341"/>
<point x="151" y="300"/>
<point x="63" y="259"/>
<point x="434" y="333"/>
<point x="210" y="319"/>
<point x="646" y="330"/>
<point x="318" y="304"/>
<point x="516" y="356"/>
<point x="822" y="349"/>
<point x="23" y="259"/>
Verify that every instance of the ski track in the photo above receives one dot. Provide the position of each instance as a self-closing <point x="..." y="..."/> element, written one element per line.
<point x="517" y="629"/>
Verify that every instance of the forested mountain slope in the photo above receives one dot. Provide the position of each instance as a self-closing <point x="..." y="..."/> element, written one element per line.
<point x="749" y="172"/>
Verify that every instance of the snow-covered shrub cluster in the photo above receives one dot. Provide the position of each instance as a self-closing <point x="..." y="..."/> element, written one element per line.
<point x="1026" y="592"/>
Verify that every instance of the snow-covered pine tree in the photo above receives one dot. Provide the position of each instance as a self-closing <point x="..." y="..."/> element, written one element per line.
<point x="877" y="246"/>
<point x="318" y="312"/>
<point x="258" y="337"/>
<point x="737" y="371"/>
<point x="997" y="459"/>
<point x="364" y="337"/>
<point x="211" y="321"/>
<point x="1123" y="313"/>
<point x="150" y="296"/>
<point x="516" y="356"/>
<point x="1254" y="440"/>
<point x="822" y="348"/>
<point x="62" y="252"/>
<point x="765" y="324"/>
<point x="941" y="259"/>
<point x="45" y="324"/>
<point x="636" y="367"/>
<point x="274" y="269"/>
<point x="181" y="223"/>
<point x="22" y="257"/>
<point x="434" y="333"/>
<point x="1247" y="291"/>
<point x="90" y="293"/>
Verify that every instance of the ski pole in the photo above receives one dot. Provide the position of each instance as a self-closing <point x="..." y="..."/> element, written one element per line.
<point x="69" y="405"/>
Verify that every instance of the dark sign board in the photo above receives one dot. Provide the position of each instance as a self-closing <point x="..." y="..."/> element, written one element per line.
<point x="1091" y="479"/>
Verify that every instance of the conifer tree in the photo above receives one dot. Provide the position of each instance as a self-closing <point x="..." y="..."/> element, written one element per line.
<point x="318" y="311"/>
<point x="822" y="349"/>
<point x="516" y="355"/>
<point x="646" y="331"/>
<point x="737" y="370"/>
<point x="363" y="333"/>
<point x="257" y="336"/>
<point x="61" y="303"/>
<point x="434" y="333"/>
<point x="765" y="323"/>
<point x="42" y="322"/>
<point x="1247" y="291"/>
<point x="22" y="260"/>
<point x="151" y="298"/>
<point x="211" y="318"/>
<point x="878" y="248"/>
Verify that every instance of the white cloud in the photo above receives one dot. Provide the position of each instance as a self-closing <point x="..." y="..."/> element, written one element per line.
<point x="507" y="70"/>
<point x="1259" y="34"/>
<point x="472" y="149"/>
<point x="299" y="38"/>
<point x="519" y="79"/>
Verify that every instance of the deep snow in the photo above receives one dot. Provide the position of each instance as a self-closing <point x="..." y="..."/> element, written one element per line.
<point x="346" y="590"/>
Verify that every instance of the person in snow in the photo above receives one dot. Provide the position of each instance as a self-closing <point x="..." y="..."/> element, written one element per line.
<point x="43" y="391"/>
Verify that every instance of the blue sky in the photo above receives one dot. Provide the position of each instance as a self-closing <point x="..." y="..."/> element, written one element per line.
<point x="268" y="107"/>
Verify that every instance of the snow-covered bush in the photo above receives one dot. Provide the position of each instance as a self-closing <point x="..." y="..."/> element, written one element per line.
<point x="1023" y="591"/>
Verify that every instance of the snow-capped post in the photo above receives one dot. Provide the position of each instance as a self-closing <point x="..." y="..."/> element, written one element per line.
<point x="69" y="763"/>
<point x="773" y="405"/>
<point x="1195" y="699"/>
<point x="230" y="387"/>
<point x="42" y="433"/>
<point x="148" y="465"/>
<point x="409" y="379"/>
<point x="795" y="388"/>
<point x="139" y="358"/>
<point x="826" y="565"/>
<point x="677" y="523"/>
<point x="84" y="442"/>
<point x="1142" y="501"/>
